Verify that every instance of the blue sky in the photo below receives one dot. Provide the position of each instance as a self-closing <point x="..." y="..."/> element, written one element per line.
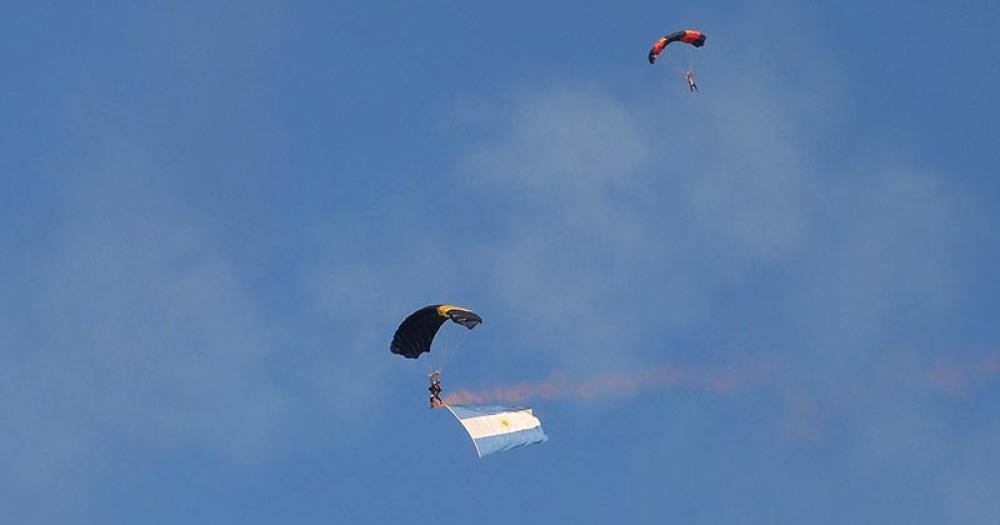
<point x="214" y="217"/>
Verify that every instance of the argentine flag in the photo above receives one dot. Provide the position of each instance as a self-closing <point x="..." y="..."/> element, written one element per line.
<point x="499" y="428"/>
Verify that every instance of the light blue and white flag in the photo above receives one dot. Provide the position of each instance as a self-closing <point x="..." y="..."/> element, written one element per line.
<point x="499" y="428"/>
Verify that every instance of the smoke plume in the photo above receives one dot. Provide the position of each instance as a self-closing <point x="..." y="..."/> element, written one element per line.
<point x="618" y="384"/>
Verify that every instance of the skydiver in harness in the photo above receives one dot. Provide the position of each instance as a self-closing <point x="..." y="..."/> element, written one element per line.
<point x="689" y="76"/>
<point x="435" y="390"/>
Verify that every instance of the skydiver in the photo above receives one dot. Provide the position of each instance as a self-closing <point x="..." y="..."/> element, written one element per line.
<point x="435" y="390"/>
<point x="689" y="76"/>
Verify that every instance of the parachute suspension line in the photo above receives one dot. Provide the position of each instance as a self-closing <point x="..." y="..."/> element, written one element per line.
<point x="437" y="361"/>
<point x="445" y="354"/>
<point x="428" y="366"/>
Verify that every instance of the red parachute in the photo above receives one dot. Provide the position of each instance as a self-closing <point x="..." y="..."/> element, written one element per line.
<point x="688" y="36"/>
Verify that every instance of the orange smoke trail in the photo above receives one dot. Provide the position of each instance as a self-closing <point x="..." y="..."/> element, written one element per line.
<point x="560" y="387"/>
<point x="955" y="377"/>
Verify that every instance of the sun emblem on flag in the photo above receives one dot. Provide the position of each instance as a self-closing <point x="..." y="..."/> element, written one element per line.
<point x="505" y="423"/>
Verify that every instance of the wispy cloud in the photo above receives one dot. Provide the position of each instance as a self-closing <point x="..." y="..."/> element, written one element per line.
<point x="135" y="336"/>
<point x="735" y="234"/>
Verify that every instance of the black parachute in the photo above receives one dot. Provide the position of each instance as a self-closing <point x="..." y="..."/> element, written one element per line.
<point x="415" y="335"/>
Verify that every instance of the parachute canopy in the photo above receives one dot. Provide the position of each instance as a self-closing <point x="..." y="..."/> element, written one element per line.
<point x="688" y="36"/>
<point x="415" y="335"/>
